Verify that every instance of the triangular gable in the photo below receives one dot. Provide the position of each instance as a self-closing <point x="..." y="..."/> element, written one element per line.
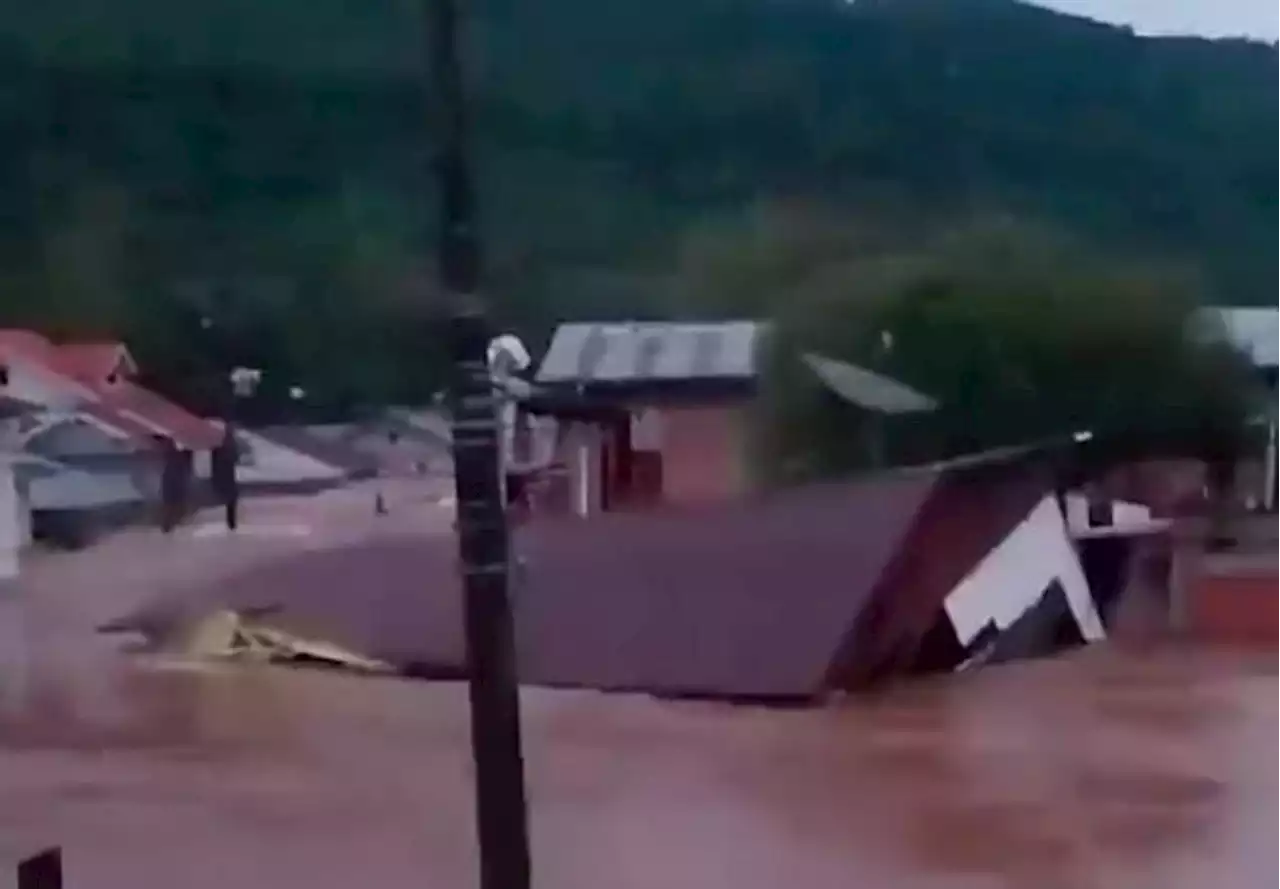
<point x="30" y="359"/>
<point x="97" y="363"/>
<point x="1015" y="575"/>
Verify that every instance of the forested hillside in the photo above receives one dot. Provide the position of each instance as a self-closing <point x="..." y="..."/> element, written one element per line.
<point x="268" y="163"/>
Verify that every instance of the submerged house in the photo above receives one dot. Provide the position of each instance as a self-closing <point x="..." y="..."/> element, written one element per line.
<point x="656" y="413"/>
<point x="787" y="596"/>
<point x="84" y="412"/>
<point x="650" y="412"/>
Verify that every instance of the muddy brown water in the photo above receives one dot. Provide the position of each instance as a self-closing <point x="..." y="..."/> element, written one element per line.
<point x="1107" y="768"/>
<point x="1112" y="768"/>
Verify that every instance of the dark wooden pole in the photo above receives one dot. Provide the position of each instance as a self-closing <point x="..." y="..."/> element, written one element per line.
<point x="482" y="522"/>
<point x="42" y="871"/>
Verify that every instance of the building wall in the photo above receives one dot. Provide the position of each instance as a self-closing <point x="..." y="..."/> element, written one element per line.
<point x="582" y="450"/>
<point x="679" y="455"/>
<point x="12" y="521"/>
<point x="1239" y="608"/>
<point x="703" y="453"/>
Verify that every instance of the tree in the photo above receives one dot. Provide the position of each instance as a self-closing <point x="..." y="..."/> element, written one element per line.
<point x="604" y="132"/>
<point x="79" y="283"/>
<point x="1020" y="334"/>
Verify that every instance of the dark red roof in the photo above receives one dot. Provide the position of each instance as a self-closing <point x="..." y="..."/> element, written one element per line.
<point x="141" y="406"/>
<point x="108" y="416"/>
<point x="94" y="369"/>
<point x="783" y="597"/>
<point x="38" y="354"/>
<point x="106" y="367"/>
<point x="95" y="363"/>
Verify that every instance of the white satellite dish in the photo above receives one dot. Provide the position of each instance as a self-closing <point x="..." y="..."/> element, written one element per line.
<point x="867" y="389"/>
<point x="507" y="355"/>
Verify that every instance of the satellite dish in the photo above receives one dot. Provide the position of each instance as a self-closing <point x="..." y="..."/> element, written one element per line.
<point x="507" y="358"/>
<point x="867" y="389"/>
<point x="508" y="355"/>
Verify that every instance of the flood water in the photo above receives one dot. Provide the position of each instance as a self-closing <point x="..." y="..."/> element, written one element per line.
<point x="1114" y="768"/>
<point x="1107" y="768"/>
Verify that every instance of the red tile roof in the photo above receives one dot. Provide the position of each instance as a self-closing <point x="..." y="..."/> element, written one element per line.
<point x="121" y="404"/>
<point x="160" y="416"/>
<point x="108" y="416"/>
<point x="94" y="363"/>
<point x="38" y="355"/>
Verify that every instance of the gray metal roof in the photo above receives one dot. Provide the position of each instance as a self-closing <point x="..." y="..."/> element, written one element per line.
<point x="1252" y="330"/>
<point x="74" y="489"/>
<point x="13" y="406"/>
<point x="52" y="484"/>
<point x="867" y="389"/>
<point x="634" y="352"/>
<point x="306" y="440"/>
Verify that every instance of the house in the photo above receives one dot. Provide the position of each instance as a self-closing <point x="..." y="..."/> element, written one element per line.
<point x="650" y="412"/>
<point x="789" y="596"/>
<point x="108" y="369"/>
<point x="93" y="383"/>
<point x="86" y="414"/>
<point x="656" y="412"/>
<point x="14" y="513"/>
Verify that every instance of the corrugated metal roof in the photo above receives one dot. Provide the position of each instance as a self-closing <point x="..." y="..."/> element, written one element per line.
<point x="635" y="352"/>
<point x="1255" y="331"/>
<point x="868" y="389"/>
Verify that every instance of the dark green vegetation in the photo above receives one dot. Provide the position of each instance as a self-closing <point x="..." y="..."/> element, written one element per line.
<point x="268" y="163"/>
<point x="1002" y="325"/>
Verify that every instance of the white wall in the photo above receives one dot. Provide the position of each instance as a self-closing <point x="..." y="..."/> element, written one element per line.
<point x="1015" y="574"/>
<point x="1124" y="514"/>
<point x="12" y="521"/>
<point x="580" y="447"/>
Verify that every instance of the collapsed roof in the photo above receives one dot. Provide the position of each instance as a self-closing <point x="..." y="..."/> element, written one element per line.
<point x="790" y="596"/>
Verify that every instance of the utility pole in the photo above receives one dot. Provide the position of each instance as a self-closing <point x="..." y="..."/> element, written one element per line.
<point x="483" y="542"/>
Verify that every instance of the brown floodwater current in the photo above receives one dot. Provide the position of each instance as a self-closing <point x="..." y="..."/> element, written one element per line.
<point x="1106" y="768"/>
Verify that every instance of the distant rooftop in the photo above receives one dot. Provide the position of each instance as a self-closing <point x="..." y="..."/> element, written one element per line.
<point x="644" y="352"/>
<point x="1252" y="330"/>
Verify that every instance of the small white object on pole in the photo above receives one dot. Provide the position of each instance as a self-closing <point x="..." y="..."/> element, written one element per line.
<point x="507" y="357"/>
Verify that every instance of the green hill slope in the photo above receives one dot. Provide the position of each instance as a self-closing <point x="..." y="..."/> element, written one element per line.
<point x="269" y="137"/>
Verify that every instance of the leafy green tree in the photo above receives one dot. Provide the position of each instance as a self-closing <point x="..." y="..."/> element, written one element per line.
<point x="1019" y="334"/>
<point x="257" y="148"/>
